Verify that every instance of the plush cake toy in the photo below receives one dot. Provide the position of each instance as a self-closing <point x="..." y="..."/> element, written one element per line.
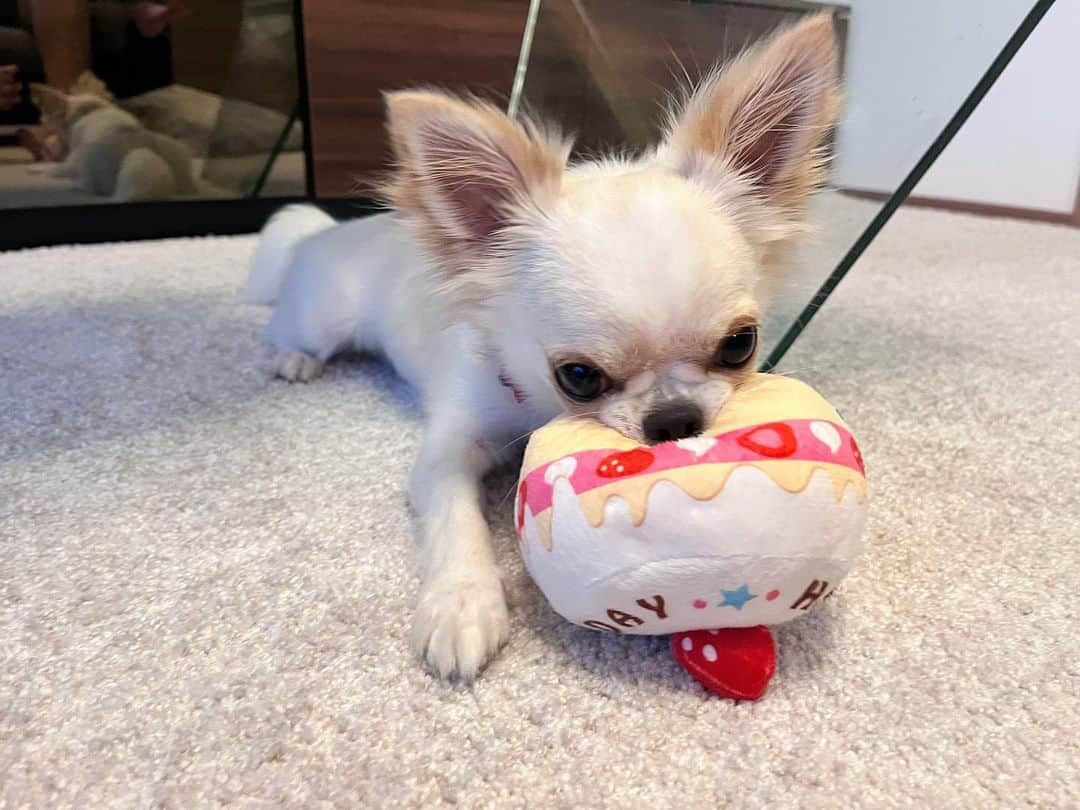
<point x="710" y="538"/>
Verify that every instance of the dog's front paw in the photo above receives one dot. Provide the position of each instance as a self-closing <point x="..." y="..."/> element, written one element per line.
<point x="460" y="623"/>
<point x="297" y="366"/>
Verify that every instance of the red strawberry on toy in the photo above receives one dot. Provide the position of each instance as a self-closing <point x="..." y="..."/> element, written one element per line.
<point x="774" y="440"/>
<point x="736" y="662"/>
<point x="628" y="462"/>
<point x="523" y="494"/>
<point x="858" y="455"/>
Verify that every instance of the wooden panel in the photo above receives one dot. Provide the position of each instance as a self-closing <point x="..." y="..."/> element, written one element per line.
<point x="355" y="50"/>
<point x="979" y="209"/>
<point x="204" y="43"/>
<point x="599" y="68"/>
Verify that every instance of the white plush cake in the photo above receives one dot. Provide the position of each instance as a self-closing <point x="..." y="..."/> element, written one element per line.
<point x="754" y="522"/>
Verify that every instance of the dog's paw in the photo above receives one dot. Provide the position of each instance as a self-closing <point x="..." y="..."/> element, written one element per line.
<point x="460" y="623"/>
<point x="297" y="367"/>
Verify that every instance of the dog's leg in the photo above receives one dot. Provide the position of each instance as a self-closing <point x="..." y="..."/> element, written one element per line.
<point x="461" y="618"/>
<point x="68" y="169"/>
<point x="143" y="175"/>
<point x="297" y="366"/>
<point x="318" y="315"/>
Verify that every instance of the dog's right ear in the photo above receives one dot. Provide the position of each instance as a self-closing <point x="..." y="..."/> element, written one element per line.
<point x="466" y="170"/>
<point x="51" y="102"/>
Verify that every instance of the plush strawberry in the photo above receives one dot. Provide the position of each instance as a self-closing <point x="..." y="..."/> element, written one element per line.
<point x="736" y="662"/>
<point x="773" y="440"/>
<point x="625" y="464"/>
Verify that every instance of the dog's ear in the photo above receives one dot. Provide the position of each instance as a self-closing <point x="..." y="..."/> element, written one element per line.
<point x="51" y="102"/>
<point x="764" y="116"/>
<point x="465" y="169"/>
<point x="88" y="84"/>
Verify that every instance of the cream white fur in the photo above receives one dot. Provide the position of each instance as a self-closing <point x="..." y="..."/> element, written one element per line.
<point x="274" y="252"/>
<point x="501" y="263"/>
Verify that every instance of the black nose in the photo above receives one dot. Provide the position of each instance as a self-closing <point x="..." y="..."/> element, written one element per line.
<point x="677" y="420"/>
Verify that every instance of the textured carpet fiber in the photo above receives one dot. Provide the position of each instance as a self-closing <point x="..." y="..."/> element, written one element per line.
<point x="205" y="575"/>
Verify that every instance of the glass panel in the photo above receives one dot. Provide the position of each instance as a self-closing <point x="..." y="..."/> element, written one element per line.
<point x="605" y="69"/>
<point x="257" y="146"/>
<point x="161" y="100"/>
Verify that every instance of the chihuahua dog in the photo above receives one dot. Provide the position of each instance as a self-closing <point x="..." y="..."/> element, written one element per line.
<point x="108" y="151"/>
<point x="511" y="287"/>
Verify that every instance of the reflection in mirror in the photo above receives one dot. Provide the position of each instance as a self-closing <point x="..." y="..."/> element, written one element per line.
<point x="606" y="69"/>
<point x="136" y="100"/>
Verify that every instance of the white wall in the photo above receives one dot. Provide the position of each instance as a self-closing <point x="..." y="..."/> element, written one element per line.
<point x="909" y="66"/>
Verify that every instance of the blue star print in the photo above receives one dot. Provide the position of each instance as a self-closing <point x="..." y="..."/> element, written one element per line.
<point x="738" y="597"/>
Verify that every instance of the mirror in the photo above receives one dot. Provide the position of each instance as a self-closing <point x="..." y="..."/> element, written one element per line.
<point x="605" y="69"/>
<point x="114" y="101"/>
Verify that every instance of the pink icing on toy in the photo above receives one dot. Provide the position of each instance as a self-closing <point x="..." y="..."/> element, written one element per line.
<point x="790" y="440"/>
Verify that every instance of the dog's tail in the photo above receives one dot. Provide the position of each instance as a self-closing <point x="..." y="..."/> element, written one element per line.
<point x="279" y="237"/>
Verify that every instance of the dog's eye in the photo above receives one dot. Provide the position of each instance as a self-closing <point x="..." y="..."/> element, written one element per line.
<point x="581" y="382"/>
<point x="737" y="348"/>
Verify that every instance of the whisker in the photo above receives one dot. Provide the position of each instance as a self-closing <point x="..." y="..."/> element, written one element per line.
<point x="503" y="499"/>
<point x="513" y="442"/>
<point x="529" y="433"/>
<point x="794" y="371"/>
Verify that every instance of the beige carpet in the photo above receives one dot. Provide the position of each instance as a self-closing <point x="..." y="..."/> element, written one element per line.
<point x="205" y="575"/>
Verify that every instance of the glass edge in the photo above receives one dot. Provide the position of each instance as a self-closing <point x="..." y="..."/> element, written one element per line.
<point x="522" y="68"/>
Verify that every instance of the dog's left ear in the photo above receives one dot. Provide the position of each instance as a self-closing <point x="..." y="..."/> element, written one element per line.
<point x="467" y="170"/>
<point x="765" y="117"/>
